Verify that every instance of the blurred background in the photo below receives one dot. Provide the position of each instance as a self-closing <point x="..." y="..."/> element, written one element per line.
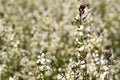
<point x="31" y="27"/>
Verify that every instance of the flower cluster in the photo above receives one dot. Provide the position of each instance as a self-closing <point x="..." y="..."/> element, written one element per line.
<point x="44" y="66"/>
<point x="93" y="59"/>
<point x="37" y="31"/>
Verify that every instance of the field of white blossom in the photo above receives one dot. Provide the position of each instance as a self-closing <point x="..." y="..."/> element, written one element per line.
<point x="59" y="39"/>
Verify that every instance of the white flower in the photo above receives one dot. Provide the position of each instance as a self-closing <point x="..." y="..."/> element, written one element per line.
<point x="1" y="67"/>
<point x="102" y="76"/>
<point x="96" y="59"/>
<point x="43" y="61"/>
<point x="103" y="61"/>
<point x="81" y="48"/>
<point x="77" y="39"/>
<point x="77" y="17"/>
<point x="81" y="27"/>
<point x="98" y="62"/>
<point x="41" y="68"/>
<point x="82" y="66"/>
<point x="81" y="33"/>
<point x="82" y="62"/>
<point x="48" y="60"/>
<point x="11" y="78"/>
<point x="47" y="67"/>
<point x="59" y="77"/>
<point x="42" y="55"/>
<point x="105" y="68"/>
<point x="91" y="68"/>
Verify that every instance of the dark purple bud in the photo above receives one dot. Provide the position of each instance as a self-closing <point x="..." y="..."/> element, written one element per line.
<point x="82" y="7"/>
<point x="82" y="57"/>
<point x="93" y="78"/>
<point x="108" y="54"/>
<point x="74" y="68"/>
